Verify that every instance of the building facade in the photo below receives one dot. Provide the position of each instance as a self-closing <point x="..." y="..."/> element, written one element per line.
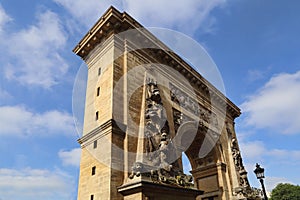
<point x="146" y="107"/>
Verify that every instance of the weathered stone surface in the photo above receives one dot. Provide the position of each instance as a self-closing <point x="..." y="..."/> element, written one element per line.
<point x="148" y="117"/>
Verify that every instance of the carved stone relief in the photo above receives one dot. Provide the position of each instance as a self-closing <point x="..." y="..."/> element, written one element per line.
<point x="238" y="161"/>
<point x="179" y="118"/>
<point x="244" y="190"/>
<point x="185" y="101"/>
<point x="158" y="145"/>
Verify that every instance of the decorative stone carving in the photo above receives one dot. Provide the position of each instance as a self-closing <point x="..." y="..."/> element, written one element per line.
<point x="236" y="154"/>
<point x="248" y="193"/>
<point x="158" y="146"/>
<point x="180" y="179"/>
<point x="157" y="128"/>
<point x="191" y="105"/>
<point x="244" y="190"/>
<point x="244" y="178"/>
<point x="136" y="169"/>
<point x="238" y="161"/>
<point x="179" y="118"/>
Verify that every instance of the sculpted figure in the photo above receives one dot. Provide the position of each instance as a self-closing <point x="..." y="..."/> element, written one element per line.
<point x="153" y="92"/>
<point x="163" y="148"/>
<point x="136" y="170"/>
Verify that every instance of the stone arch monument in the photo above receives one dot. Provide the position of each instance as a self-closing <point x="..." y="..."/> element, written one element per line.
<point x="145" y="106"/>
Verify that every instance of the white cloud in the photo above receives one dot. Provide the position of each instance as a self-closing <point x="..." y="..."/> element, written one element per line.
<point x="258" y="74"/>
<point x="87" y="12"/>
<point x="276" y="105"/>
<point x="273" y="160"/>
<point x="70" y="158"/>
<point x="33" y="53"/>
<point x="35" y="184"/>
<point x="185" y="15"/>
<point x="272" y="182"/>
<point x="19" y="121"/>
<point x="4" y="18"/>
<point x="255" y="74"/>
<point x="252" y="150"/>
<point x="285" y="155"/>
<point x="4" y="96"/>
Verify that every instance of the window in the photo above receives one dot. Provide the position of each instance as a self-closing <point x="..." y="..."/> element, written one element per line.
<point x="92" y="197"/>
<point x="93" y="170"/>
<point x="98" y="91"/>
<point x="95" y="144"/>
<point x="97" y="115"/>
<point x="99" y="71"/>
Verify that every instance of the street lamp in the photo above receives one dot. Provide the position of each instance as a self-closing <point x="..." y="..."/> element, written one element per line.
<point x="259" y="172"/>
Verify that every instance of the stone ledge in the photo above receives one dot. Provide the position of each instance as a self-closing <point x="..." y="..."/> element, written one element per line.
<point x="158" y="191"/>
<point x="104" y="129"/>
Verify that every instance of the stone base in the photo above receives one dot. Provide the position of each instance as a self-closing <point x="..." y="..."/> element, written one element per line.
<point x="144" y="190"/>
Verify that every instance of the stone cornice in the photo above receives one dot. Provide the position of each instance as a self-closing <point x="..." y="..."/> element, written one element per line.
<point x="144" y="185"/>
<point x="113" y="22"/>
<point x="102" y="130"/>
<point x="207" y="170"/>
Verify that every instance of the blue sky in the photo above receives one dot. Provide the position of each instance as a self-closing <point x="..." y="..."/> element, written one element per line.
<point x="255" y="45"/>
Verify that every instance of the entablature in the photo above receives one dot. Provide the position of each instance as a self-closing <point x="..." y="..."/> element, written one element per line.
<point x="114" y="22"/>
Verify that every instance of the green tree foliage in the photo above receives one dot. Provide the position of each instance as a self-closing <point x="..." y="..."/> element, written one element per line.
<point x="285" y="191"/>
